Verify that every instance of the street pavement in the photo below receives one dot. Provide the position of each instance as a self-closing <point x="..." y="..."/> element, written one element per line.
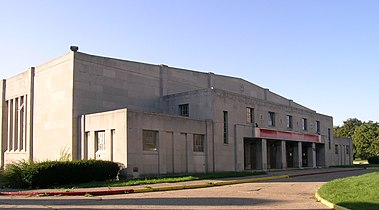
<point x="291" y="193"/>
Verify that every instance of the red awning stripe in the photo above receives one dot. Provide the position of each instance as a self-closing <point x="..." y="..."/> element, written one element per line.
<point x="274" y="134"/>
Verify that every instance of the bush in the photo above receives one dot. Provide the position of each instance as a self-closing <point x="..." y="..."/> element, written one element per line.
<point x="373" y="160"/>
<point x="50" y="173"/>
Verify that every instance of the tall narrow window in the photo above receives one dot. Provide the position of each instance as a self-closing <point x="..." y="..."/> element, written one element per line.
<point x="249" y="115"/>
<point x="22" y="123"/>
<point x="226" y="140"/>
<point x="150" y="140"/>
<point x="10" y="124"/>
<point x="318" y="127"/>
<point x="336" y="148"/>
<point x="100" y="140"/>
<point x="289" y="122"/>
<point x="198" y="143"/>
<point x="16" y="124"/>
<point x="329" y="138"/>
<point x="85" y="145"/>
<point x="271" y="119"/>
<point x="304" y="123"/>
<point x="184" y="110"/>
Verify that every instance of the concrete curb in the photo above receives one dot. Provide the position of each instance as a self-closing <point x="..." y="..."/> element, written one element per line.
<point x="324" y="172"/>
<point x="163" y="188"/>
<point x="141" y="190"/>
<point x="328" y="203"/>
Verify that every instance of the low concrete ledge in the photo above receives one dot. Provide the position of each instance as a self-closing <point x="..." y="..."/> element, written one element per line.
<point x="328" y="203"/>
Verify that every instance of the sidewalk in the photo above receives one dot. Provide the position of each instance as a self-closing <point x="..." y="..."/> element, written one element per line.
<point x="271" y="175"/>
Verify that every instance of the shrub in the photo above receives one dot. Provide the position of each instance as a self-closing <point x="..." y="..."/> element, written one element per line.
<point x="50" y="173"/>
<point x="373" y="160"/>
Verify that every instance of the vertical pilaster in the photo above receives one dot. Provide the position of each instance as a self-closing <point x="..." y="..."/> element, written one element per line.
<point x="283" y="154"/>
<point x="264" y="154"/>
<point x="111" y="143"/>
<point x="3" y="120"/>
<point x="314" y="155"/>
<point x="14" y="125"/>
<point x="19" y="124"/>
<point x="211" y="80"/>
<point x="163" y="80"/>
<point x="108" y="145"/>
<point x="29" y="121"/>
<point x="300" y="154"/>
<point x="83" y="137"/>
<point x="24" y="125"/>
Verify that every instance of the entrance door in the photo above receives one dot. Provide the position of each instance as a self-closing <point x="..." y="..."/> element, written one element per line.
<point x="305" y="155"/>
<point x="273" y="150"/>
<point x="249" y="155"/>
<point x="289" y="151"/>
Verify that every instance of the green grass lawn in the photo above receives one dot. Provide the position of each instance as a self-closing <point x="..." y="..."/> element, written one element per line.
<point x="358" y="192"/>
<point x="144" y="181"/>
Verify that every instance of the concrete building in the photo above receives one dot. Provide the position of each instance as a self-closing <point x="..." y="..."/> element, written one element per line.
<point x="158" y="119"/>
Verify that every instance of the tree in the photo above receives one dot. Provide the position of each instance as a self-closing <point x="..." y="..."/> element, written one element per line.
<point x="348" y="128"/>
<point x="366" y="140"/>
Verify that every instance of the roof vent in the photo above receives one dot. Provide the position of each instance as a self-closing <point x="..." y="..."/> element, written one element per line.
<point x="74" y="48"/>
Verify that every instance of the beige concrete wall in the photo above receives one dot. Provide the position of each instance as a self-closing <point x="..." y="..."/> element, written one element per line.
<point x="16" y="87"/>
<point x="343" y="151"/>
<point x="236" y="105"/>
<point x="76" y="84"/>
<point x="53" y="105"/>
<point x="175" y="141"/>
<point x="175" y="136"/>
<point x="200" y="103"/>
<point x="3" y="122"/>
<point x="114" y="124"/>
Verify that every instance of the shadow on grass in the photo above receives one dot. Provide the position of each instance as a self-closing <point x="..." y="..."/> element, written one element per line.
<point x="359" y="205"/>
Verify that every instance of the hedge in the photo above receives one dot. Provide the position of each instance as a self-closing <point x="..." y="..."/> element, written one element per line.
<point x="51" y="173"/>
<point x="373" y="160"/>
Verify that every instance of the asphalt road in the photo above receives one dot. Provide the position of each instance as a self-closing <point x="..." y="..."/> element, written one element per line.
<point x="293" y="193"/>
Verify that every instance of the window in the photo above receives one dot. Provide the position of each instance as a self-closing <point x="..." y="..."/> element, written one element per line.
<point x="184" y="110"/>
<point x="249" y="115"/>
<point x="304" y="123"/>
<point x="347" y="149"/>
<point x="329" y="143"/>
<point x="318" y="127"/>
<point x="289" y="122"/>
<point x="226" y="140"/>
<point x="100" y="140"/>
<point x="149" y="140"/>
<point x="271" y="119"/>
<point x="198" y="143"/>
<point x="336" y="149"/>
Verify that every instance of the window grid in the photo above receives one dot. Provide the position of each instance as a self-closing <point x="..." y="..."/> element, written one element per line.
<point x="329" y="142"/>
<point x="318" y="127"/>
<point x="184" y="110"/>
<point x="226" y="140"/>
<point x="100" y="140"/>
<point x="289" y="121"/>
<point x="198" y="143"/>
<point x="149" y="139"/>
<point x="249" y="115"/>
<point x="304" y="123"/>
<point x="271" y="119"/>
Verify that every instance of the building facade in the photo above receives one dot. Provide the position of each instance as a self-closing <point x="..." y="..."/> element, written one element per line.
<point x="158" y="119"/>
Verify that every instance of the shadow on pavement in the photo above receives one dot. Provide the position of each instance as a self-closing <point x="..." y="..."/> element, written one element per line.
<point x="199" y="201"/>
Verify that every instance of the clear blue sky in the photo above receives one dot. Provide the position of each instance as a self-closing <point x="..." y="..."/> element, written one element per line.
<point x="323" y="54"/>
